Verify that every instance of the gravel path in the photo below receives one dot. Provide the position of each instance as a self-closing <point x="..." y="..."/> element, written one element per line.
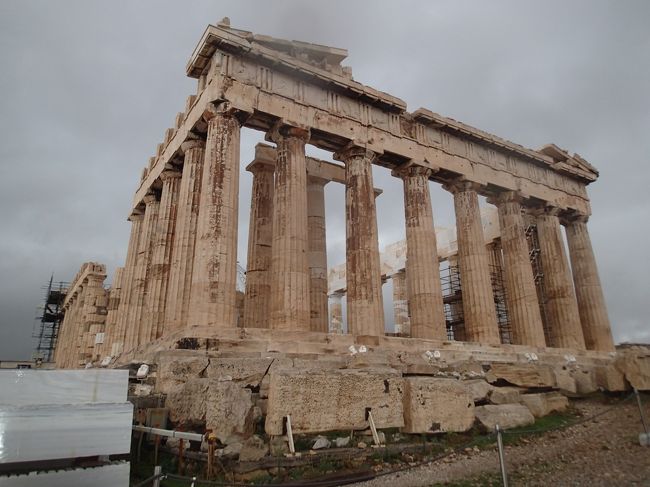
<point x="601" y="452"/>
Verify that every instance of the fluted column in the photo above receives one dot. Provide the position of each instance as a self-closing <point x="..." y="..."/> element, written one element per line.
<point x="290" y="304"/>
<point x="260" y="235"/>
<point x="563" y="318"/>
<point x="182" y="261"/>
<point x="589" y="292"/>
<point x="213" y="298"/>
<point x="422" y="267"/>
<point x="114" y="298"/>
<point x="479" y="312"/>
<point x="141" y="273"/>
<point x="94" y="313"/>
<point x="401" y="303"/>
<point x="365" y="308"/>
<point x="336" y="313"/>
<point x="119" y="336"/>
<point x="521" y="295"/>
<point x="161" y="254"/>
<point x="317" y="257"/>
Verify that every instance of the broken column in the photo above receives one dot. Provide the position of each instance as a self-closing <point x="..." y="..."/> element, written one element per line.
<point x="317" y="253"/>
<point x="422" y="267"/>
<point x="161" y="254"/>
<point x="478" y="301"/>
<point x="400" y="303"/>
<point x="563" y="318"/>
<point x="589" y="292"/>
<point x="365" y="309"/>
<point x="260" y="235"/>
<point x="214" y="272"/>
<point x="290" y="303"/>
<point x="521" y="294"/>
<point x="182" y="261"/>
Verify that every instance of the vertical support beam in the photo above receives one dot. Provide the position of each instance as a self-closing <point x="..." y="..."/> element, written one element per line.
<point x="401" y="303"/>
<point x="422" y="267"/>
<point x="336" y="314"/>
<point x="289" y="265"/>
<point x="521" y="295"/>
<point x="317" y="254"/>
<point x="180" y="273"/>
<point x="214" y="273"/>
<point x="260" y="236"/>
<point x="119" y="338"/>
<point x="161" y="254"/>
<point x="589" y="292"/>
<point x="365" y="307"/>
<point x="141" y="273"/>
<point x="478" y="301"/>
<point x="562" y="313"/>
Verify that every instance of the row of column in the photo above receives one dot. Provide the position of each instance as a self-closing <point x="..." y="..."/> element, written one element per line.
<point x="181" y="262"/>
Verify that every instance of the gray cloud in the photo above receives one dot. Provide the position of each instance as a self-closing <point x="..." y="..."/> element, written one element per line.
<point x="89" y="88"/>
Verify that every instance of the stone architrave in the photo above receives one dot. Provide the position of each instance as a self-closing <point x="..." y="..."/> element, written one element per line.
<point x="119" y="335"/>
<point x="213" y="298"/>
<point x="336" y="314"/>
<point x="260" y="236"/>
<point x="521" y="294"/>
<point x="365" y="309"/>
<point x="182" y="262"/>
<point x="161" y="254"/>
<point x="401" y="303"/>
<point x="422" y="268"/>
<point x="589" y="292"/>
<point x="290" y="303"/>
<point x="317" y="254"/>
<point x="479" y="312"/>
<point x="141" y="273"/>
<point x="563" y="318"/>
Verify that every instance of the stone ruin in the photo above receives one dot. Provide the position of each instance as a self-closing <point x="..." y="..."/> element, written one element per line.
<point x="226" y="360"/>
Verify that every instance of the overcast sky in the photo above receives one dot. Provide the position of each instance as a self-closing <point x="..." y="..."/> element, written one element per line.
<point x="88" y="89"/>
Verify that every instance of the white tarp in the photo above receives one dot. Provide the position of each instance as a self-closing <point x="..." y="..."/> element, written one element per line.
<point x="113" y="475"/>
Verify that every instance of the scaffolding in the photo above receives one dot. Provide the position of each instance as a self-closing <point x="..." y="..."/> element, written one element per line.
<point x="500" y="305"/>
<point x="538" y="274"/>
<point x="46" y="328"/>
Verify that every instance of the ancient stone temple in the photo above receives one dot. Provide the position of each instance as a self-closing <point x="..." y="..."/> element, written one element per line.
<point x="286" y="345"/>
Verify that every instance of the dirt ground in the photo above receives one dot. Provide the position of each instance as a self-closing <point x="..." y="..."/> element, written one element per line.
<point x="604" y="451"/>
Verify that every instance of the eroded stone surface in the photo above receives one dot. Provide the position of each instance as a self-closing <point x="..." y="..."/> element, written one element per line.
<point x="522" y="375"/>
<point x="545" y="403"/>
<point x="334" y="400"/>
<point x="436" y="405"/>
<point x="505" y="415"/>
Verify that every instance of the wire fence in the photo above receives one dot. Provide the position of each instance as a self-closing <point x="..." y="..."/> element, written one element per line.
<point x="361" y="476"/>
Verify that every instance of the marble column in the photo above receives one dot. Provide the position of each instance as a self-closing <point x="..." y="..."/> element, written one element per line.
<point x="114" y="297"/>
<point x="119" y="335"/>
<point x="521" y="294"/>
<point x="479" y="312"/>
<point x="182" y="261"/>
<point x="365" y="310"/>
<point x="260" y="235"/>
<point x="213" y="298"/>
<point x="401" y="303"/>
<point x="422" y="267"/>
<point x="161" y="254"/>
<point x="564" y="329"/>
<point x="141" y="272"/>
<point x="290" y="303"/>
<point x="317" y="254"/>
<point x="589" y="292"/>
<point x="336" y="313"/>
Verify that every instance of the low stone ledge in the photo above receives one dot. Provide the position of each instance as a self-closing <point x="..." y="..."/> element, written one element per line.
<point x="545" y="403"/>
<point x="506" y="416"/>
<point x="522" y="375"/>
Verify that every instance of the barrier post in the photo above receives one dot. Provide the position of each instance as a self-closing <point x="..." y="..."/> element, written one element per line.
<point x="502" y="460"/>
<point x="644" y="438"/>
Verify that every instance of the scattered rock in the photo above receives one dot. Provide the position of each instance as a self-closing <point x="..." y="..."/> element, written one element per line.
<point x="342" y="442"/>
<point x="479" y="389"/>
<point x="321" y="443"/>
<point x="505" y="415"/>
<point x="362" y="444"/>
<point x="543" y="404"/>
<point x="253" y="449"/>
<point x="504" y="395"/>
<point x="279" y="446"/>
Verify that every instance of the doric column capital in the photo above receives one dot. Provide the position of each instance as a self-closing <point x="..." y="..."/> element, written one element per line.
<point x="538" y="211"/>
<point x="258" y="166"/>
<point x="574" y="217"/>
<point x="283" y="130"/>
<point x="355" y="150"/>
<point x="506" y="197"/>
<point x="149" y="199"/>
<point x="461" y="185"/>
<point x="169" y="174"/>
<point x="135" y="215"/>
<point x="414" y="170"/>
<point x="192" y="144"/>
<point x="224" y="109"/>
